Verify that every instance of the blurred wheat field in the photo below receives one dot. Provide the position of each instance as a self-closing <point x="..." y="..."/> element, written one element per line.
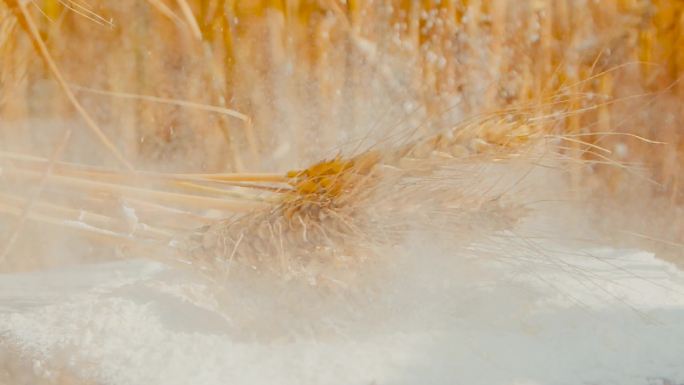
<point x="272" y="60"/>
<point x="221" y="86"/>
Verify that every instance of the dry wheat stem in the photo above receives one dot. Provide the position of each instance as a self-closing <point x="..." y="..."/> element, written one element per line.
<point x="85" y="12"/>
<point x="190" y="18"/>
<point x="11" y="240"/>
<point x="81" y="219"/>
<point x="169" y="101"/>
<point x="85" y="185"/>
<point x="35" y="35"/>
<point x="75" y="168"/>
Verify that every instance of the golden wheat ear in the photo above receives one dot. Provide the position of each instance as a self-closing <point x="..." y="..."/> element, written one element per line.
<point x="283" y="223"/>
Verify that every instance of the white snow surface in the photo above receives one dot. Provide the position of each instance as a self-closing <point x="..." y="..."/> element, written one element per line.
<point x="568" y="316"/>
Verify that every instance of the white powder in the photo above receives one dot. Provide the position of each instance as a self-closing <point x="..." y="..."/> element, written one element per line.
<point x="616" y="316"/>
